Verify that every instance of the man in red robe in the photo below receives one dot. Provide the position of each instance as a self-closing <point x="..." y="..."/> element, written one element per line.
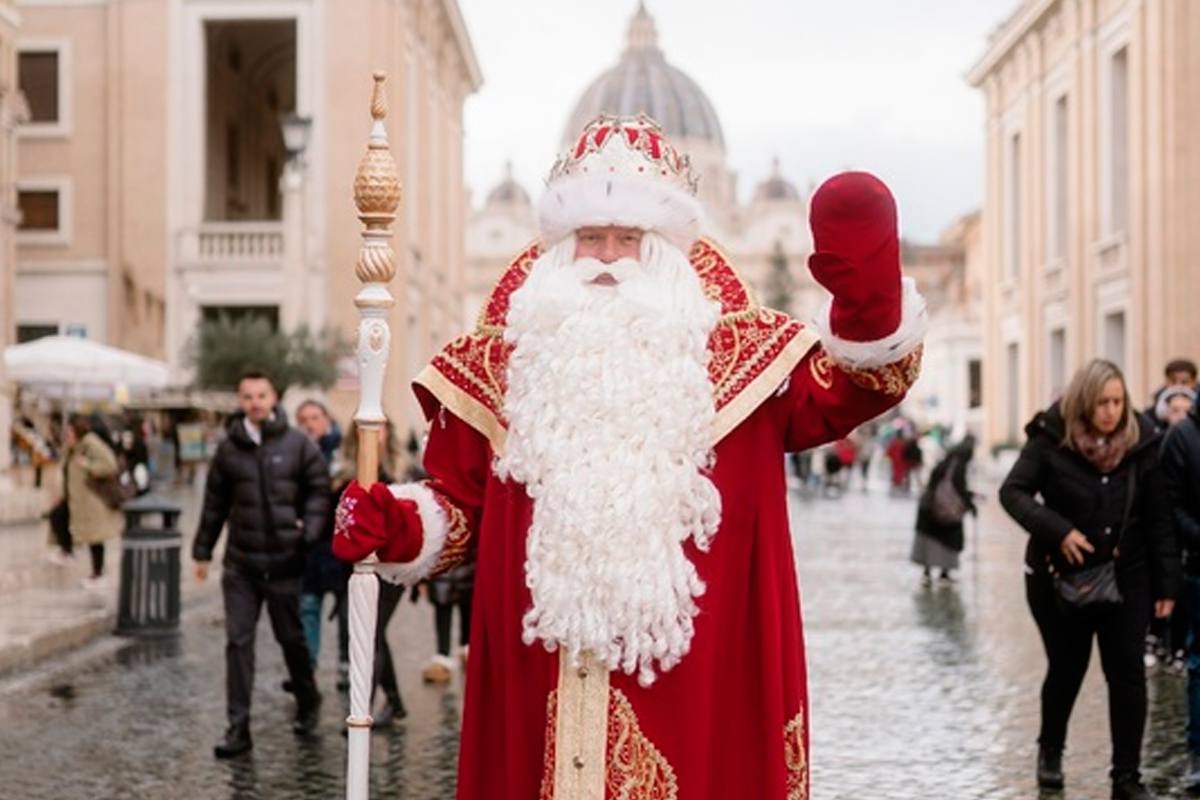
<point x="608" y="445"/>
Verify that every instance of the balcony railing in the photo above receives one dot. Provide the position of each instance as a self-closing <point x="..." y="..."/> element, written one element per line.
<point x="230" y="243"/>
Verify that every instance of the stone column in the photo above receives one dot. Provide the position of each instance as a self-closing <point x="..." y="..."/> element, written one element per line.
<point x="293" y="310"/>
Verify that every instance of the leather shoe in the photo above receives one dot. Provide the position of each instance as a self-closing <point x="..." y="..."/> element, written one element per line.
<point x="236" y="742"/>
<point x="1049" y="768"/>
<point x="393" y="711"/>
<point x="1191" y="781"/>
<point x="307" y="715"/>
<point x="1129" y="787"/>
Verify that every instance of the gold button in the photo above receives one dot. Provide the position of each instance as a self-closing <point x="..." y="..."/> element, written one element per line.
<point x="583" y="673"/>
<point x="578" y="762"/>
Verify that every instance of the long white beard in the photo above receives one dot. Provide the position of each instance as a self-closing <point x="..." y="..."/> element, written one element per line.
<point x="610" y="412"/>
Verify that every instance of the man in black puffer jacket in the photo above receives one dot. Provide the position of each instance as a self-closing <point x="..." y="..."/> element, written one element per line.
<point x="270" y="483"/>
<point x="1181" y="469"/>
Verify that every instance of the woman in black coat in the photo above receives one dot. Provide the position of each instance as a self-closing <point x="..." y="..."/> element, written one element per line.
<point x="945" y="501"/>
<point x="1093" y="461"/>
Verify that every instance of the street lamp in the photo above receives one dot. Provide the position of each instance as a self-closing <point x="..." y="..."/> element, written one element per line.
<point x="295" y="130"/>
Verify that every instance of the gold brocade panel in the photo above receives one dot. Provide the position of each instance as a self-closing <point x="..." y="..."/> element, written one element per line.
<point x="795" y="757"/>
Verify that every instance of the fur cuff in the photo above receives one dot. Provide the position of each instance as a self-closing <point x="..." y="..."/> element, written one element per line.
<point x="434" y="528"/>
<point x="914" y="322"/>
<point x="571" y="203"/>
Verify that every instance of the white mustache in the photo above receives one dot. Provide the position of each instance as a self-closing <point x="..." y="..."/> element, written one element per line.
<point x="588" y="269"/>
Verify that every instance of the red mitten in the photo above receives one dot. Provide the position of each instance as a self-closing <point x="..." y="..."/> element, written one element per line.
<point x="376" y="521"/>
<point x="856" y="255"/>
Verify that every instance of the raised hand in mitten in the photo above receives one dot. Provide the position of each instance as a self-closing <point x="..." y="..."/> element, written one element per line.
<point x="856" y="255"/>
<point x="375" y="521"/>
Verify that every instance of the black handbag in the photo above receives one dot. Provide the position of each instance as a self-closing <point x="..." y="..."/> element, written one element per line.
<point x="1096" y="587"/>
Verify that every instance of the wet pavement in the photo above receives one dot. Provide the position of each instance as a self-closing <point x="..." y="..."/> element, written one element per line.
<point x="916" y="693"/>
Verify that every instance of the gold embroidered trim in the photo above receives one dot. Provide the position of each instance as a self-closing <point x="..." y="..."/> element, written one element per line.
<point x="458" y="537"/>
<point x="795" y="758"/>
<point x="636" y="768"/>
<point x="762" y="385"/>
<point x="892" y="379"/>
<point x="581" y="720"/>
<point x="546" y="792"/>
<point x="463" y="406"/>
<point x="821" y="368"/>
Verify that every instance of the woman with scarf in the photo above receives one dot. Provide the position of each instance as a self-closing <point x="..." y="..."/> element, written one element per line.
<point x="1093" y="461"/>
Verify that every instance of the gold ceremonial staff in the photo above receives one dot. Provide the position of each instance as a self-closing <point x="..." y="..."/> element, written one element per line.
<point x="376" y="195"/>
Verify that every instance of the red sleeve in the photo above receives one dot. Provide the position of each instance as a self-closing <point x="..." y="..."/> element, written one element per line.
<point x="457" y="458"/>
<point x="823" y="402"/>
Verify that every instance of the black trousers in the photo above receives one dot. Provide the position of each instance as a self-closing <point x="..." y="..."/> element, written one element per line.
<point x="442" y="614"/>
<point x="1067" y="637"/>
<point x="245" y="593"/>
<point x="385" y="669"/>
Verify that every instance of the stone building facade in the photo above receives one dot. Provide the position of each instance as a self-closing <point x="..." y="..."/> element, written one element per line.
<point x="159" y="192"/>
<point x="1092" y="197"/>
<point x="11" y="111"/>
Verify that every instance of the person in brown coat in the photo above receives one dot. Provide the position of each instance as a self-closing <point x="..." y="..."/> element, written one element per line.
<point x="89" y="460"/>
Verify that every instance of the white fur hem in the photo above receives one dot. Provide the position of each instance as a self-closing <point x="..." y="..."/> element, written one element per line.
<point x="914" y="322"/>
<point x="434" y="528"/>
<point x="602" y="199"/>
<point x="444" y="661"/>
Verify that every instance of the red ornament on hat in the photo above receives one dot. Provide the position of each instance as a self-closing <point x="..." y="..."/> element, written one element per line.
<point x="622" y="171"/>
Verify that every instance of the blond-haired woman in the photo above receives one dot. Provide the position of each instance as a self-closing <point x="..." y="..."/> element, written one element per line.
<point x="90" y="459"/>
<point x="1093" y="461"/>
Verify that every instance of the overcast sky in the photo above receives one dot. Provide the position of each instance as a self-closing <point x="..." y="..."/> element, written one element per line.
<point x="867" y="84"/>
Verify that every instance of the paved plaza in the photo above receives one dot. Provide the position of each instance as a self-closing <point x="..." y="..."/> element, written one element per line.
<point x="917" y="693"/>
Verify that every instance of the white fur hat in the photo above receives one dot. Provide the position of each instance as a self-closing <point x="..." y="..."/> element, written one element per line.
<point x="622" y="171"/>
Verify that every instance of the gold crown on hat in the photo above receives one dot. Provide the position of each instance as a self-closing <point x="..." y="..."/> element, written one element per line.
<point x="642" y="150"/>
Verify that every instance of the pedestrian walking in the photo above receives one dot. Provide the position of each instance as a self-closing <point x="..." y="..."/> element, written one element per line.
<point x="1167" y="640"/>
<point x="324" y="574"/>
<point x="269" y="482"/>
<point x="1101" y="548"/>
<point x="92" y="491"/>
<point x="453" y="590"/>
<point x="945" y="502"/>
<point x="1173" y="405"/>
<point x="1181" y="470"/>
<point x="1178" y="372"/>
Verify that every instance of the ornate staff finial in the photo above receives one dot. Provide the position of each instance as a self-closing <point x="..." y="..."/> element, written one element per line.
<point x="377" y="196"/>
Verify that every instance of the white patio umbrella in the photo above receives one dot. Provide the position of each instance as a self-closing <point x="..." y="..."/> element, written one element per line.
<point x="70" y="367"/>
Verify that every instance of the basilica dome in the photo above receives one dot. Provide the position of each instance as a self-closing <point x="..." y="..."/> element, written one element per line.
<point x="776" y="187"/>
<point x="643" y="82"/>
<point x="508" y="191"/>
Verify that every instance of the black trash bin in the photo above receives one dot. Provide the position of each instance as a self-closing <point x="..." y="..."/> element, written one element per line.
<point x="149" y="598"/>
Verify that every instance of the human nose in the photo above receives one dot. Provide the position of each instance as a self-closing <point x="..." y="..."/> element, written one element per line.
<point x="608" y="250"/>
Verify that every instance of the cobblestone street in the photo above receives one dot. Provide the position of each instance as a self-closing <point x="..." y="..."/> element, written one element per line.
<point x="917" y="693"/>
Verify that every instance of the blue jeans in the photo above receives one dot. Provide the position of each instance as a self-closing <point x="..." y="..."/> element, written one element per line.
<point x="310" y="618"/>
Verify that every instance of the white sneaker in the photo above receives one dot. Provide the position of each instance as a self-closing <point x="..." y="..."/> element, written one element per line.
<point x="93" y="582"/>
<point x="59" y="557"/>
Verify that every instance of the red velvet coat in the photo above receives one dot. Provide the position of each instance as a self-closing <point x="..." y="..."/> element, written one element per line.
<point x="730" y="721"/>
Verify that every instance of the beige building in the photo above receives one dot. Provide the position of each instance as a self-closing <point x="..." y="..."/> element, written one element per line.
<point x="11" y="110"/>
<point x="157" y="188"/>
<point x="1091" y="203"/>
<point x="950" y="276"/>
